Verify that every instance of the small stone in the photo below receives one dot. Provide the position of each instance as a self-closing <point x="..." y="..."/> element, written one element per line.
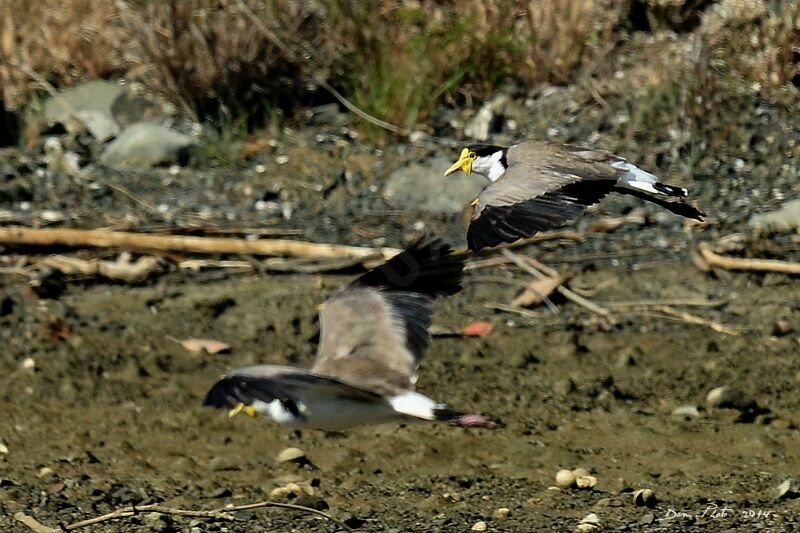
<point x="644" y="498"/>
<point x="585" y="482"/>
<point x="730" y="398"/>
<point x="785" y="491"/>
<point x="291" y="455"/>
<point x="28" y="363"/>
<point x="562" y="387"/>
<point x="590" y="522"/>
<point x="3" y="448"/>
<point x="585" y="528"/>
<point x="281" y="493"/>
<point x="687" y="412"/>
<point x="565" y="479"/>
<point x="44" y="472"/>
<point x="501" y="513"/>
<point x="480" y="526"/>
<point x="781" y="328"/>
<point x="220" y="463"/>
<point x="580" y="472"/>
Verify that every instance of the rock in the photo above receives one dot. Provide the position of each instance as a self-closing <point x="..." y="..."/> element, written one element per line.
<point x="147" y="145"/>
<point x="480" y="526"/>
<point x="687" y="412"/>
<point x="580" y="472"/>
<point x="781" y="328"/>
<point x="93" y="97"/>
<point x="730" y="398"/>
<point x="644" y="498"/>
<point x="291" y="455"/>
<point x="482" y="124"/>
<point x="585" y="482"/>
<point x="786" y="219"/>
<point x="220" y="463"/>
<point x="501" y="513"/>
<point x="590" y="522"/>
<point x="423" y="187"/>
<point x="99" y="125"/>
<point x="3" y="449"/>
<point x="786" y="490"/>
<point x="45" y="471"/>
<point x="565" y="479"/>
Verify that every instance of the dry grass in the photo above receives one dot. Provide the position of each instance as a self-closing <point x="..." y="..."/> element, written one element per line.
<point x="400" y="60"/>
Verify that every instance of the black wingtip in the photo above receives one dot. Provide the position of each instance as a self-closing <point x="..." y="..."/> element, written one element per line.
<point x="426" y="266"/>
<point x="671" y="190"/>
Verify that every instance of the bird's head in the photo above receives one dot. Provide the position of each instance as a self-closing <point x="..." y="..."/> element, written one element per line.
<point x="484" y="159"/>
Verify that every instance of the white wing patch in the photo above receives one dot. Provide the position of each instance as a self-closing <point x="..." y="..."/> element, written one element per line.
<point x="416" y="405"/>
<point x="636" y="178"/>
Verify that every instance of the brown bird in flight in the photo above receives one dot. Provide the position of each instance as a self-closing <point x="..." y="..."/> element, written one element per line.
<point x="539" y="185"/>
<point x="373" y="335"/>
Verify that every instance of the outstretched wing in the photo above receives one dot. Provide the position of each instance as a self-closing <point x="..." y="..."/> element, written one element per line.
<point x="545" y="186"/>
<point x="291" y="387"/>
<point x="374" y="331"/>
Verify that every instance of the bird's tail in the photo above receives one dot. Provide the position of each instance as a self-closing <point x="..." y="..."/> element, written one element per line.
<point x="679" y="208"/>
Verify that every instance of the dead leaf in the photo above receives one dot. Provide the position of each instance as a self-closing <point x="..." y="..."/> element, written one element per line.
<point x="537" y="290"/>
<point x="208" y="345"/>
<point x="480" y="328"/>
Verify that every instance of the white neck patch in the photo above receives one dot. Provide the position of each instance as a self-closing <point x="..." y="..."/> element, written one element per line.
<point x="490" y="166"/>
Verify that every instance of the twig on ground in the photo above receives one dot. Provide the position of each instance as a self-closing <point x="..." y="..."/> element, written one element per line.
<point x="648" y="303"/>
<point x="120" y="270"/>
<point x="735" y="263"/>
<point x="515" y="310"/>
<point x="184" y="243"/>
<point x="664" y="311"/>
<point x="565" y="292"/>
<point x="33" y="524"/>
<point x="539" y="237"/>
<point x="216" y="514"/>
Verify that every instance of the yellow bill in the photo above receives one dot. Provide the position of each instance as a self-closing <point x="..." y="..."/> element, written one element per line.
<point x="464" y="163"/>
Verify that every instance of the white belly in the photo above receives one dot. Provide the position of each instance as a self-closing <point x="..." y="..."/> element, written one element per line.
<point x="329" y="414"/>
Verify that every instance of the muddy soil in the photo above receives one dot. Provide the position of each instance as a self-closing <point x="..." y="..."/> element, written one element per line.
<point x="101" y="404"/>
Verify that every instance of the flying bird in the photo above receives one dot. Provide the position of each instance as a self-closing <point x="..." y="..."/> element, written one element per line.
<point x="536" y="185"/>
<point x="373" y="335"/>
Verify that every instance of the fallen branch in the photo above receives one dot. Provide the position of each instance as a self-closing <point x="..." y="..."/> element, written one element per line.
<point x="33" y="524"/>
<point x="100" y="238"/>
<point x="649" y="303"/>
<point x="664" y="311"/>
<point x="515" y="310"/>
<point x="565" y="292"/>
<point x="120" y="270"/>
<point x="216" y="514"/>
<point x="735" y="263"/>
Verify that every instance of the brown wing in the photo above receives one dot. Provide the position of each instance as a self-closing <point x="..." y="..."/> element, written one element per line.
<point x="375" y="331"/>
<point x="545" y="186"/>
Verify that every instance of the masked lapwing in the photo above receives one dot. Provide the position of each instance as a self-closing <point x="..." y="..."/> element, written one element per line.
<point x="373" y="335"/>
<point x="535" y="186"/>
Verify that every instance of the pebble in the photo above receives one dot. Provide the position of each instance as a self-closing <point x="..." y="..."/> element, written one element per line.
<point x="565" y="479"/>
<point x="688" y="412"/>
<point x="480" y="526"/>
<point x="784" y="490"/>
<point x="29" y="363"/>
<point x="590" y="522"/>
<point x="644" y="498"/>
<point x="44" y="472"/>
<point x="781" y="328"/>
<point x="580" y="472"/>
<point x="3" y="448"/>
<point x="220" y="463"/>
<point x="730" y="398"/>
<point x="291" y="455"/>
<point x="585" y="482"/>
<point x="501" y="513"/>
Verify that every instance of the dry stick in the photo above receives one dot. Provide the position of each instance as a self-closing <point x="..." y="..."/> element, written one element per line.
<point x="648" y="303"/>
<point x="515" y="310"/>
<point x="734" y="263"/>
<point x="565" y="292"/>
<point x="291" y="54"/>
<point x="33" y="524"/>
<point x="183" y="243"/>
<point x="663" y="311"/>
<point x="217" y="514"/>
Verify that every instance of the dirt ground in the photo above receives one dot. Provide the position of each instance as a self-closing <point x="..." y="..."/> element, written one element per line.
<point x="101" y="404"/>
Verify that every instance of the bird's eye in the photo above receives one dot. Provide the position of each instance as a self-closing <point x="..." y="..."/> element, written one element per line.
<point x="473" y="155"/>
